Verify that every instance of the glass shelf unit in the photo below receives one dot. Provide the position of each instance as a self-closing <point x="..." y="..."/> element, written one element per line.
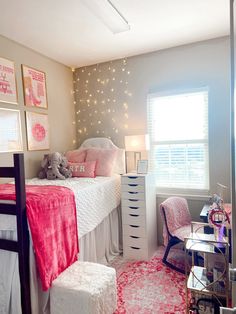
<point x="198" y="281"/>
<point x="211" y="279"/>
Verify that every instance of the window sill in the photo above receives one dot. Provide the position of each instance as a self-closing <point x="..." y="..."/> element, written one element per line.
<point x="201" y="195"/>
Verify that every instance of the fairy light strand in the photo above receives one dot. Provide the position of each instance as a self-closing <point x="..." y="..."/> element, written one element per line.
<point x="101" y="98"/>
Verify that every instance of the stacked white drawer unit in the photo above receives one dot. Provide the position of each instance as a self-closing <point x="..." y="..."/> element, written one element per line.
<point x="138" y="199"/>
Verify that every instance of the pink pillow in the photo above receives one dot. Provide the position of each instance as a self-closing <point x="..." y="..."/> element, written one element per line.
<point x="105" y="160"/>
<point x="76" y="155"/>
<point x="83" y="169"/>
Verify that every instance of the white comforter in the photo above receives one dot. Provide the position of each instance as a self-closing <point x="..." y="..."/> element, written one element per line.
<point x="95" y="199"/>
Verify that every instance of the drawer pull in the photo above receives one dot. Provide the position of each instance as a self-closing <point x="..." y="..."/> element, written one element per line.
<point x="133" y="192"/>
<point x="132" y="200"/>
<point x="133" y="215"/>
<point x="135" y="248"/>
<point x="134" y="237"/>
<point x="133" y="207"/>
<point x="134" y="226"/>
<point x="132" y="177"/>
<point x="132" y="184"/>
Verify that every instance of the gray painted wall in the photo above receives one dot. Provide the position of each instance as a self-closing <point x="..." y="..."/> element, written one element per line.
<point x="204" y="63"/>
<point x="61" y="113"/>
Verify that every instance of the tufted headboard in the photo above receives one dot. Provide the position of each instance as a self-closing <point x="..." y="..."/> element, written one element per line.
<point x="106" y="143"/>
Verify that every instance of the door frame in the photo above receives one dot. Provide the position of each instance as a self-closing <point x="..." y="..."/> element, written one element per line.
<point x="232" y="135"/>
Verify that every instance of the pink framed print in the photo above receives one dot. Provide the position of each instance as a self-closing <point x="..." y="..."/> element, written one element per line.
<point x="8" y="90"/>
<point x="37" y="131"/>
<point x="34" y="85"/>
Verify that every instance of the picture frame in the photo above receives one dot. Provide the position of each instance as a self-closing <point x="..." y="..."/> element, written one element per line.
<point x="142" y="166"/>
<point x="8" y="87"/>
<point x="10" y="131"/>
<point x="34" y="86"/>
<point x="37" y="127"/>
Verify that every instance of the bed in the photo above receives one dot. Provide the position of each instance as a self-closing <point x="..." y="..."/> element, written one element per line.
<point x="98" y="229"/>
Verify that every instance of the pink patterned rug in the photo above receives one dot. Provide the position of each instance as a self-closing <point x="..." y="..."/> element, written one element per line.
<point x="148" y="287"/>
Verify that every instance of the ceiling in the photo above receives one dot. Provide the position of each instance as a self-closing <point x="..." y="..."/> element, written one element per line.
<point x="67" y="31"/>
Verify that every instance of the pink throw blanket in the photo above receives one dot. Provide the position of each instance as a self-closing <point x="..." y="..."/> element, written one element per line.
<point x="51" y="214"/>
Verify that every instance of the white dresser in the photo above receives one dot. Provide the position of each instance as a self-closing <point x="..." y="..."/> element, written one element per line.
<point x="138" y="200"/>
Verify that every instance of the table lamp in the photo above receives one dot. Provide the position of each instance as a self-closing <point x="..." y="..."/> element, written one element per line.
<point x="136" y="144"/>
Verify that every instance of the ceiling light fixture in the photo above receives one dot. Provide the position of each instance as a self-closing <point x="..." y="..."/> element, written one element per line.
<point x="108" y="14"/>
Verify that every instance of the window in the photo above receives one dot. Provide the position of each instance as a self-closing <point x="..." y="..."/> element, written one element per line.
<point x="178" y="128"/>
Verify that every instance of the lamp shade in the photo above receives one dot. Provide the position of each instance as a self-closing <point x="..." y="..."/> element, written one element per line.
<point x="136" y="143"/>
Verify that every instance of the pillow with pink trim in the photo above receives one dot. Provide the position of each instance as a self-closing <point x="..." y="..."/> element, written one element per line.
<point x="76" y="155"/>
<point x="83" y="169"/>
<point x="105" y="160"/>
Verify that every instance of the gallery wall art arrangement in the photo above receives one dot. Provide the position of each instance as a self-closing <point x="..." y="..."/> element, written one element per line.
<point x="35" y="97"/>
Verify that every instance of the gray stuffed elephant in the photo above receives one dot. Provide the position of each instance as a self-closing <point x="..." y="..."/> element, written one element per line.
<point x="54" y="166"/>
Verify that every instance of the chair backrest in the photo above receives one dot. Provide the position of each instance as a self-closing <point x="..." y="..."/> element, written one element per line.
<point x="175" y="214"/>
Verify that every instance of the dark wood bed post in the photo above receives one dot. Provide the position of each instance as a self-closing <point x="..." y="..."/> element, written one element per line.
<point x="21" y="246"/>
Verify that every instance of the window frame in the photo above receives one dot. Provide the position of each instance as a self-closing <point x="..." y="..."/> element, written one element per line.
<point x="182" y="191"/>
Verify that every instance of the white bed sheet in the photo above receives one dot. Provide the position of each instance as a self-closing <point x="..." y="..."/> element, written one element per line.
<point x="97" y="201"/>
<point x="95" y="198"/>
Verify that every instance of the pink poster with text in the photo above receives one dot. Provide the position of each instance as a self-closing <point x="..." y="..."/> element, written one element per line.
<point x="34" y="87"/>
<point x="7" y="81"/>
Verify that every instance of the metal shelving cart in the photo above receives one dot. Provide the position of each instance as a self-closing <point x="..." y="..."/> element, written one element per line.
<point x="210" y="281"/>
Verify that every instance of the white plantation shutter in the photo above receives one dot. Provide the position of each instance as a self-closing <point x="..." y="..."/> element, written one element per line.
<point x="178" y="128"/>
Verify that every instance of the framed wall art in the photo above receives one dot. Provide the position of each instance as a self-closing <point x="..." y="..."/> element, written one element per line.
<point x="8" y="91"/>
<point x="34" y="85"/>
<point x="142" y="167"/>
<point x="37" y="131"/>
<point x="10" y="131"/>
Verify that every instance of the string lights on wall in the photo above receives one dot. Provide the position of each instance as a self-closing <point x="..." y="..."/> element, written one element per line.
<point x="101" y="99"/>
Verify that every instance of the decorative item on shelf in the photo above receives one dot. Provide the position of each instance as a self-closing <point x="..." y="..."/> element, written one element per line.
<point x="206" y="305"/>
<point x="221" y="189"/>
<point x="218" y="217"/>
<point x="136" y="144"/>
<point x="216" y="201"/>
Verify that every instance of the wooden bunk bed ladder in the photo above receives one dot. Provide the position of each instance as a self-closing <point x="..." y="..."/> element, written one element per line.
<point x="18" y="209"/>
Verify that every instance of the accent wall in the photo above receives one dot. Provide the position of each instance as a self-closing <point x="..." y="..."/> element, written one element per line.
<point x="111" y="98"/>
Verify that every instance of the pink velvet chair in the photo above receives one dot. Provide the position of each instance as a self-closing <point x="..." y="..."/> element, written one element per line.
<point x="177" y="225"/>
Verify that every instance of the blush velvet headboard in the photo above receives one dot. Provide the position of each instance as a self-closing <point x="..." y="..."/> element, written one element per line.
<point x="105" y="143"/>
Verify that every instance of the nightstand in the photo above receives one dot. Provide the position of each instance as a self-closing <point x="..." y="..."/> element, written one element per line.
<point x="138" y="200"/>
